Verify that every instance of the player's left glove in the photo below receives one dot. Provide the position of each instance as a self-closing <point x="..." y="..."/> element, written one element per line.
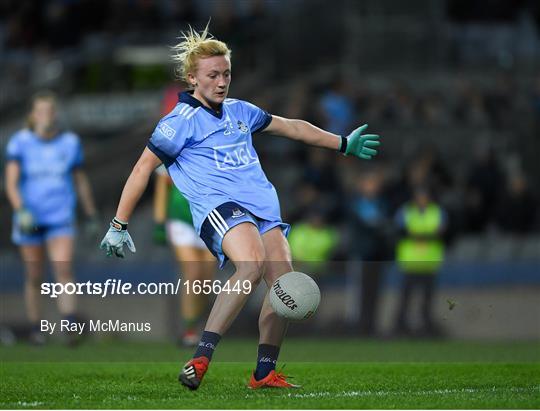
<point x="360" y="145"/>
<point x="116" y="237"/>
<point x="25" y="221"/>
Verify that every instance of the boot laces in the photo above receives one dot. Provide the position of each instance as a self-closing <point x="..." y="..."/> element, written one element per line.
<point x="280" y="375"/>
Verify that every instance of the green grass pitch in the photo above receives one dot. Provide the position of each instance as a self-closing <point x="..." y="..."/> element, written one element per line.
<point x="335" y="373"/>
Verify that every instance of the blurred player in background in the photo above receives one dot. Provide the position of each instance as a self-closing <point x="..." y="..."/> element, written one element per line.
<point x="174" y="223"/>
<point x="43" y="170"/>
<point x="206" y="145"/>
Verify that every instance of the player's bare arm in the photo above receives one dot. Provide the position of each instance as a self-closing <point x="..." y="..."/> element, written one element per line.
<point x="85" y="192"/>
<point x="136" y="184"/>
<point x="23" y="217"/>
<point x="118" y="236"/>
<point x="13" y="172"/>
<point x="357" y="144"/>
<point x="303" y="131"/>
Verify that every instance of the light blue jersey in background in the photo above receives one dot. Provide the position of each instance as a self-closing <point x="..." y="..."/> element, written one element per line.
<point x="211" y="159"/>
<point x="46" y="183"/>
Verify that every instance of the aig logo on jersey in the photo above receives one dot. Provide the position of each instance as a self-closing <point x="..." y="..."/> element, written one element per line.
<point x="167" y="130"/>
<point x="234" y="156"/>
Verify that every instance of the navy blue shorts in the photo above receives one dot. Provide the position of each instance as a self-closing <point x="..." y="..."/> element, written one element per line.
<point x="226" y="216"/>
<point x="41" y="234"/>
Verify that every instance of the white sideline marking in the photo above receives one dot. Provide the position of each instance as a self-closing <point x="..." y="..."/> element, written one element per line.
<point x="383" y="393"/>
<point x="28" y="404"/>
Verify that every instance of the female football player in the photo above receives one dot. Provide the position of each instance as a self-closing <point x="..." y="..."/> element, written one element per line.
<point x="42" y="170"/>
<point x="206" y="144"/>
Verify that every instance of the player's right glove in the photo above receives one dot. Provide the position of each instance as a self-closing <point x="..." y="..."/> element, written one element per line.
<point x="25" y="221"/>
<point x="159" y="234"/>
<point x="116" y="237"/>
<point x="363" y="146"/>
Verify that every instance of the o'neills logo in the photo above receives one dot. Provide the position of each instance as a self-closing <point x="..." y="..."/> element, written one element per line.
<point x="284" y="297"/>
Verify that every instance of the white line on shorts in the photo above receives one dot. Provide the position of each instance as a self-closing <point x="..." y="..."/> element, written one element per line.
<point x="217" y="226"/>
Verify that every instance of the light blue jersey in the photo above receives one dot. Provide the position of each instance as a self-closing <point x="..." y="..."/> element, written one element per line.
<point x="45" y="182"/>
<point x="211" y="159"/>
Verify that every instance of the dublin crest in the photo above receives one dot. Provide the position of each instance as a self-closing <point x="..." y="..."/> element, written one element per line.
<point x="242" y="127"/>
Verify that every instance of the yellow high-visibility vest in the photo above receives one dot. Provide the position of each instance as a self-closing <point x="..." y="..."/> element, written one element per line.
<point x="312" y="244"/>
<point x="421" y="256"/>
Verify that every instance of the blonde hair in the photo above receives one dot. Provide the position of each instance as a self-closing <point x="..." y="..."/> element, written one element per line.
<point x="45" y="95"/>
<point x="194" y="46"/>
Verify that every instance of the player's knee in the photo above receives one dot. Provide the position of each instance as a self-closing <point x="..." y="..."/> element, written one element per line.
<point x="252" y="271"/>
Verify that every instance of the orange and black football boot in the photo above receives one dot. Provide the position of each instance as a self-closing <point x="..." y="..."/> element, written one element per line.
<point x="272" y="380"/>
<point x="193" y="372"/>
